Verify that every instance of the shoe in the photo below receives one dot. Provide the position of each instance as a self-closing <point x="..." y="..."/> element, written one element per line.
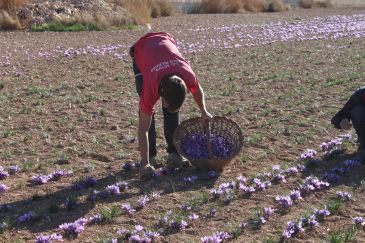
<point x="147" y="172"/>
<point x="175" y="160"/>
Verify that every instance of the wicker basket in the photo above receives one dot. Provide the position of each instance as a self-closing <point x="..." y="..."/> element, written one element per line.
<point x="219" y="126"/>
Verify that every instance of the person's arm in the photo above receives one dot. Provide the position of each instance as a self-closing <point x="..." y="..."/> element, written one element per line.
<point x="355" y="99"/>
<point x="143" y="127"/>
<point x="200" y="101"/>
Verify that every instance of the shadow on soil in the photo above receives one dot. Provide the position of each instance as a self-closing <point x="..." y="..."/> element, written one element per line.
<point x="67" y="205"/>
<point x="332" y="169"/>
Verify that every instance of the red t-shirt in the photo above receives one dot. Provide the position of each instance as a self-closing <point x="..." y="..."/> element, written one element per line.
<point x="156" y="56"/>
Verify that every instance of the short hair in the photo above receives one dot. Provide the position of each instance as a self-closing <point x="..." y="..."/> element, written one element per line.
<point x="173" y="92"/>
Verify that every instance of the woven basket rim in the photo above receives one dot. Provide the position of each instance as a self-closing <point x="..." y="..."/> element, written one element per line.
<point x="211" y="157"/>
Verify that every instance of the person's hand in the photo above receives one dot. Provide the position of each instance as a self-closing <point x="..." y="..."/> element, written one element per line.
<point x="206" y="116"/>
<point x="345" y="124"/>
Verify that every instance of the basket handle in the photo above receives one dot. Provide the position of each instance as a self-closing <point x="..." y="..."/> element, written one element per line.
<point x="207" y="133"/>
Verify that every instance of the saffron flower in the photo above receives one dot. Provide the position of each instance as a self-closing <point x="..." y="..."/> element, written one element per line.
<point x="88" y="182"/>
<point x="279" y="178"/>
<point x="40" y="179"/>
<point x="3" y="173"/>
<point x="193" y="217"/>
<point x="48" y="238"/>
<point x="310" y="221"/>
<point x="321" y="213"/>
<point x="291" y="171"/>
<point x="190" y="179"/>
<point x="97" y="218"/>
<point x="216" y="193"/>
<point x="284" y="201"/>
<point x="295" y="195"/>
<point x="359" y="220"/>
<point x="241" y="179"/>
<point x="344" y="195"/>
<point x="216" y="237"/>
<point x="127" y="166"/>
<point x="350" y="164"/>
<point x="13" y="169"/>
<point x="185" y="207"/>
<point x="292" y="229"/>
<point x="128" y="208"/>
<point x="247" y="189"/>
<point x="212" y="174"/>
<point x="142" y="201"/>
<point x="25" y="217"/>
<point x="113" y="190"/>
<point x="74" y="228"/>
<point x="3" y="188"/>
<point x="138" y="228"/>
<point x="268" y="212"/>
<point x="308" y="154"/>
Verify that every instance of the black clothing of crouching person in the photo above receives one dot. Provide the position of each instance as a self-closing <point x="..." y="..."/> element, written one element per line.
<point x="354" y="111"/>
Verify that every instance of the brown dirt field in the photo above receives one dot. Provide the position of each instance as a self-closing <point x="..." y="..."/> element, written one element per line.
<point x="83" y="110"/>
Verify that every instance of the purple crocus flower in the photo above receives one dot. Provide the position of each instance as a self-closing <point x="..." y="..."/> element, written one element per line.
<point x="123" y="185"/>
<point x="247" y="189"/>
<point x="338" y="170"/>
<point x="331" y="177"/>
<point x="321" y="213"/>
<point x="48" y="238"/>
<point x="113" y="189"/>
<point x="127" y="166"/>
<point x="151" y="235"/>
<point x="346" y="136"/>
<point x="40" y="179"/>
<point x="3" y="188"/>
<point x="294" y="195"/>
<point x="190" y="179"/>
<point x="268" y="212"/>
<point x="241" y="179"/>
<point x="193" y="217"/>
<point x="344" y="195"/>
<point x="279" y="178"/>
<point x="25" y="217"/>
<point x="310" y="222"/>
<point x="138" y="228"/>
<point x="3" y="174"/>
<point x="134" y="238"/>
<point x="216" y="193"/>
<point x="276" y="168"/>
<point x="128" y="208"/>
<point x="13" y="169"/>
<point x="350" y="164"/>
<point x="212" y="174"/>
<point x="74" y="228"/>
<point x="58" y="174"/>
<point x="123" y="232"/>
<point x="180" y="225"/>
<point x="359" y="220"/>
<point x="97" y="218"/>
<point x="308" y="154"/>
<point x="185" y="207"/>
<point x="216" y="237"/>
<point x="292" y="228"/>
<point x="142" y="201"/>
<point x="284" y="201"/>
<point x="291" y="171"/>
